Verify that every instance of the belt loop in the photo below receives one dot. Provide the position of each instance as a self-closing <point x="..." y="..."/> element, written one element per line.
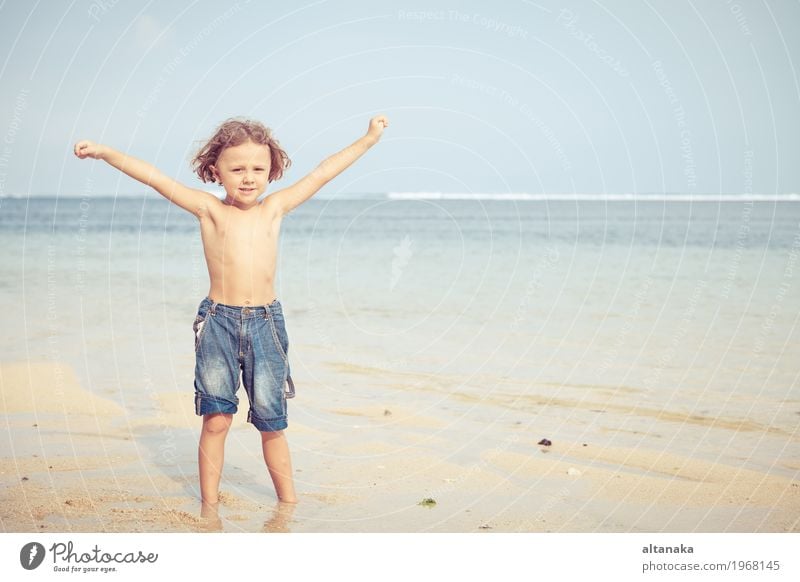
<point x="213" y="307"/>
<point x="266" y="312"/>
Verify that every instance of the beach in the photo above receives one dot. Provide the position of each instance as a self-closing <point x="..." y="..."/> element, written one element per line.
<point x="368" y="470"/>
<point x="434" y="346"/>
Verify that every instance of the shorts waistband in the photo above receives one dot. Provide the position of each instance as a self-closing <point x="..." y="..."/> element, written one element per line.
<point x="242" y="311"/>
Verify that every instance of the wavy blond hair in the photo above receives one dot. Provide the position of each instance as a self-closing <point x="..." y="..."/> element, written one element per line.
<point x="233" y="132"/>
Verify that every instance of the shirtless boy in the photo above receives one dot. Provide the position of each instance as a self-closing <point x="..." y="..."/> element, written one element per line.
<point x="239" y="326"/>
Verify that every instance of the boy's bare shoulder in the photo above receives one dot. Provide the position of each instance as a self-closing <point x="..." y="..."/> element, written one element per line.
<point x="210" y="206"/>
<point x="272" y="208"/>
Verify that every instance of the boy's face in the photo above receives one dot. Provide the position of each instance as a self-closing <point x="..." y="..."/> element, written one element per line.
<point x="243" y="171"/>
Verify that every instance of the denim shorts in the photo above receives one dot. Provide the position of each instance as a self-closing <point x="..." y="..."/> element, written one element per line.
<point x="229" y="340"/>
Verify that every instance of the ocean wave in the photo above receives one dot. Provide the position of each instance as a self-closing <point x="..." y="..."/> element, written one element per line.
<point x="676" y="197"/>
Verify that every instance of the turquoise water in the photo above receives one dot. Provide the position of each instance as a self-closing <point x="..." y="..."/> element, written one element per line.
<point x="495" y="307"/>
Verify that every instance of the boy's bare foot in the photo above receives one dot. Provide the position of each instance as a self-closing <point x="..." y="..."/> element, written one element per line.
<point x="280" y="519"/>
<point x="209" y="516"/>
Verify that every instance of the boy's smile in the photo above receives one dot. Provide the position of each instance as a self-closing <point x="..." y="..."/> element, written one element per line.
<point x="243" y="171"/>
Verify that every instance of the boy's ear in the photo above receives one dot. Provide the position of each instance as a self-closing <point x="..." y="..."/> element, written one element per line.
<point x="214" y="172"/>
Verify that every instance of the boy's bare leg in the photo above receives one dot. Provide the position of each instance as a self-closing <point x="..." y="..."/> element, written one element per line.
<point x="211" y="454"/>
<point x="279" y="464"/>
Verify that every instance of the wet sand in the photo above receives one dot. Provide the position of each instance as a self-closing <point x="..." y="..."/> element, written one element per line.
<point x="73" y="461"/>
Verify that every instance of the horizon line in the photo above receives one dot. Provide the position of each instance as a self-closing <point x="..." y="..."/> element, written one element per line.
<point x="489" y="196"/>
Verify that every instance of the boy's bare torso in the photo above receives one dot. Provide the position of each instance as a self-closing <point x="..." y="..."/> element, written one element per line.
<point x="241" y="249"/>
<point x="240" y="242"/>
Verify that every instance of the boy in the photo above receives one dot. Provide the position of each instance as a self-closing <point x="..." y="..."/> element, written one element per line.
<point x="240" y="325"/>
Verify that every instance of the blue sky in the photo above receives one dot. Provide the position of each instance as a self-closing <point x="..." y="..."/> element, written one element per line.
<point x="515" y="96"/>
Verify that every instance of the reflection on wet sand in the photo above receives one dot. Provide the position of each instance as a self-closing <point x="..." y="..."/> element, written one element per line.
<point x="281" y="517"/>
<point x="278" y="518"/>
<point x="209" y="517"/>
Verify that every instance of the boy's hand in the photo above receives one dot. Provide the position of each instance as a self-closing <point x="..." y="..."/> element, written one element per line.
<point x="88" y="149"/>
<point x="376" y="126"/>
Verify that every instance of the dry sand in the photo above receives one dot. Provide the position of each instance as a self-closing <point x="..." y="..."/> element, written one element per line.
<point x="72" y="461"/>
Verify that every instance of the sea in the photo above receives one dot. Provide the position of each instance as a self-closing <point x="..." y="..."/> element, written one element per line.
<point x="660" y="321"/>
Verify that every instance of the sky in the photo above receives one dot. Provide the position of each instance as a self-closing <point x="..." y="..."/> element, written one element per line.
<point x="504" y="97"/>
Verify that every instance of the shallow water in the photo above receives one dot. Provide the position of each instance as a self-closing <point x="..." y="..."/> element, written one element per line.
<point x="662" y="324"/>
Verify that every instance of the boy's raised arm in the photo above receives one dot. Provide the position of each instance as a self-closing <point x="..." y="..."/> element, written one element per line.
<point x="191" y="200"/>
<point x="294" y="195"/>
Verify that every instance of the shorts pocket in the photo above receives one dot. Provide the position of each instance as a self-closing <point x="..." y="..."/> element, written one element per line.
<point x="199" y="328"/>
<point x="280" y="337"/>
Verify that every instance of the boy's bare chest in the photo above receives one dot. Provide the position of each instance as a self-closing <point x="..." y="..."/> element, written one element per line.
<point x="234" y="231"/>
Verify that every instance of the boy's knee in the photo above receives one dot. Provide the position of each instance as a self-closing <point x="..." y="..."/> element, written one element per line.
<point x="217" y="423"/>
<point x="271" y="434"/>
